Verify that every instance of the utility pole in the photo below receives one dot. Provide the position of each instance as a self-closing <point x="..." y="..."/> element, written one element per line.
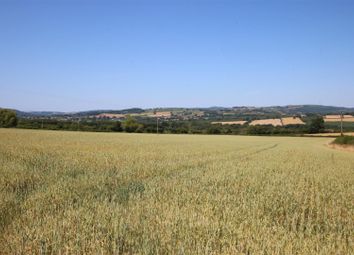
<point x="157" y="125"/>
<point x="42" y="123"/>
<point x="341" y="124"/>
<point x="78" y="125"/>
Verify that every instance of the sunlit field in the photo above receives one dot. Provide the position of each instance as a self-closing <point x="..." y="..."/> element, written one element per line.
<point x="108" y="193"/>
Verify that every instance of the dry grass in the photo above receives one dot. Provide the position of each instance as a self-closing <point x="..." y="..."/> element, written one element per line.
<point x="106" y="193"/>
<point x="236" y="122"/>
<point x="273" y="122"/>
<point x="330" y="134"/>
<point x="339" y="120"/>
<point x="342" y="147"/>
<point x="337" y="116"/>
<point x="292" y="121"/>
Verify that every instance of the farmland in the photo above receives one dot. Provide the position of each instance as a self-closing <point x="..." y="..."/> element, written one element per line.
<point x="273" y="122"/>
<point x="108" y="193"/>
<point x="236" y="122"/>
<point x="337" y="118"/>
<point x="292" y="121"/>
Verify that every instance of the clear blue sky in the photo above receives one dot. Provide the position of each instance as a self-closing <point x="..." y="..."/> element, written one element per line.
<point x="79" y="55"/>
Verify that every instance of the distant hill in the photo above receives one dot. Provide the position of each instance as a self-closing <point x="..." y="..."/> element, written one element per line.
<point x="96" y="112"/>
<point x="280" y="110"/>
<point x="305" y="109"/>
<point x="75" y="114"/>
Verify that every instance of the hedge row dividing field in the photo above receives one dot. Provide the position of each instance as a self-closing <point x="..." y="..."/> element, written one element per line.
<point x="108" y="193"/>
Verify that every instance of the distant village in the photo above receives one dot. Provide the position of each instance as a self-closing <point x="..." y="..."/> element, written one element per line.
<point x="251" y="116"/>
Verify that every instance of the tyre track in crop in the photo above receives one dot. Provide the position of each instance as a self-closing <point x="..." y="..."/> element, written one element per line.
<point x="260" y="150"/>
<point x="203" y="165"/>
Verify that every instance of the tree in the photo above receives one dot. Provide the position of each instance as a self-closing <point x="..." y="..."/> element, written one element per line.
<point x="130" y="125"/>
<point x="316" y="125"/>
<point x="260" y="130"/>
<point x="117" y="127"/>
<point x="213" y="130"/>
<point x="8" y="118"/>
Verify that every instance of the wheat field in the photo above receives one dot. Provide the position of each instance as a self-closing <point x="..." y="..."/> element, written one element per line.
<point x="273" y="122"/>
<point x="337" y="118"/>
<point x="292" y="121"/>
<point x="109" y="193"/>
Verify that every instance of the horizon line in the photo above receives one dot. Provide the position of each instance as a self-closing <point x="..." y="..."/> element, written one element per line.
<point x="171" y="107"/>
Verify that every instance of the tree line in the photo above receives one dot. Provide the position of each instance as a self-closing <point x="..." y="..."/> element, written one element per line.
<point x="8" y="118"/>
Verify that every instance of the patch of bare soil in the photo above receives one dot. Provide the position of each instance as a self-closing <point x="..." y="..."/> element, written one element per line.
<point x="341" y="147"/>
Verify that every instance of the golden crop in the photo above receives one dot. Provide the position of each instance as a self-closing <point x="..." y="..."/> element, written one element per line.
<point x="108" y="193"/>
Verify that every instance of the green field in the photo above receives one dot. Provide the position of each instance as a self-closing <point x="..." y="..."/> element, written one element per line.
<point x="107" y="193"/>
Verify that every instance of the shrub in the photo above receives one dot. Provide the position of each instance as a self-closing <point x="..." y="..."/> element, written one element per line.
<point x="347" y="140"/>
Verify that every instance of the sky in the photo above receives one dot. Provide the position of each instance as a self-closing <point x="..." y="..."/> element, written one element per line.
<point x="72" y="55"/>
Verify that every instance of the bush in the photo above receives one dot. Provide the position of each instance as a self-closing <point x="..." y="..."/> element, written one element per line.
<point x="347" y="140"/>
